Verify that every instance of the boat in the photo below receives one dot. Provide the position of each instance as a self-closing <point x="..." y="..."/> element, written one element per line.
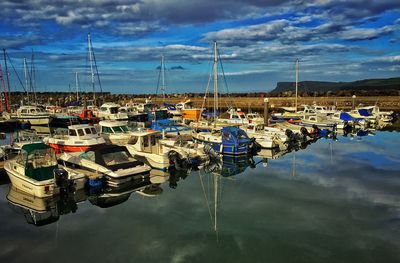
<point x="384" y="116"/>
<point x="59" y="120"/>
<point x="229" y="140"/>
<point x="8" y="124"/>
<point x="76" y="138"/>
<point x="115" y="132"/>
<point x="266" y="137"/>
<point x="188" y="111"/>
<point x="133" y="114"/>
<point x="33" y="114"/>
<point x="112" y="162"/>
<point x="87" y="116"/>
<point x="172" y="128"/>
<point x="320" y="121"/>
<point x="226" y="140"/>
<point x="362" y="113"/>
<point x="35" y="171"/>
<point x="109" y="111"/>
<point x="164" y="154"/>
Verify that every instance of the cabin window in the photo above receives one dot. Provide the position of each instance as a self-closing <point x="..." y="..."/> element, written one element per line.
<point x="145" y="141"/>
<point x="32" y="111"/>
<point x="103" y="109"/>
<point x="114" y="110"/>
<point x="72" y="133"/>
<point x="88" y="156"/>
<point x="119" y="129"/>
<point x="115" y="158"/>
<point x="153" y="140"/>
<point x="93" y="131"/>
<point x="235" y="117"/>
<point x="226" y="136"/>
<point x="106" y="129"/>
<point x="133" y="140"/>
<point x="23" y="111"/>
<point x="88" y="131"/>
<point x="242" y="116"/>
<point x="122" y="110"/>
<point x="80" y="132"/>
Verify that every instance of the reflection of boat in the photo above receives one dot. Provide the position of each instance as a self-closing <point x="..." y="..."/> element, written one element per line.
<point x="109" y="197"/>
<point x="231" y="165"/>
<point x="35" y="171"/>
<point x="41" y="211"/>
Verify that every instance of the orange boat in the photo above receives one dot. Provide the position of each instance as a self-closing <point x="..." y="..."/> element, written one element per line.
<point x="188" y="111"/>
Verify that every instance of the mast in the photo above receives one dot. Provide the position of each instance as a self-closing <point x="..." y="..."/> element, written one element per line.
<point x="297" y="82"/>
<point x="8" y="96"/>
<point x="77" y="85"/>
<point x="215" y="83"/>
<point x="91" y="67"/>
<point x="163" y="77"/>
<point x="26" y="80"/>
<point x="33" y="77"/>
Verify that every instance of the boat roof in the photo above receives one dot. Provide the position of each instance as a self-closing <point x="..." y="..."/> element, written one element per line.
<point x="34" y="146"/>
<point x="144" y="132"/>
<point x="112" y="123"/>
<point x="110" y="104"/>
<point x="79" y="126"/>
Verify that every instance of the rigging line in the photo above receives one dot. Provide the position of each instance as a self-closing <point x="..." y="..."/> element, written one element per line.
<point x="158" y="81"/>
<point x="16" y="73"/>
<point x="205" y="96"/>
<point x="95" y="65"/>
<point x="226" y="83"/>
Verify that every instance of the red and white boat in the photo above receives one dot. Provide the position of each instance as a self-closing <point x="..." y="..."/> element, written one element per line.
<point x="77" y="138"/>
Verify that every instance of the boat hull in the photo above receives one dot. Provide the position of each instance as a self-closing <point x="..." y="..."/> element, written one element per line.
<point x="40" y="189"/>
<point x="35" y="121"/>
<point x="69" y="148"/>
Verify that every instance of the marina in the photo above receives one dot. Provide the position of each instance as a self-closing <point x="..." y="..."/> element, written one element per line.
<point x="200" y="131"/>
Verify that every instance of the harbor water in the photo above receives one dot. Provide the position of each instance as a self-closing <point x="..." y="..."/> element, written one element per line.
<point x="335" y="201"/>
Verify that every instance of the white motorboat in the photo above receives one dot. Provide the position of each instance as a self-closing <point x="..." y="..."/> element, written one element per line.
<point x="115" y="132"/>
<point x="34" y="115"/>
<point x="164" y="153"/>
<point x="109" y="111"/>
<point x="267" y="137"/>
<point x="76" y="138"/>
<point x="112" y="162"/>
<point x="36" y="172"/>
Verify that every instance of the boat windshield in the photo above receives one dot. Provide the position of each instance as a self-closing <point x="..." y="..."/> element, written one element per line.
<point x="120" y="129"/>
<point x="115" y="158"/>
<point x="42" y="158"/>
<point x="113" y="110"/>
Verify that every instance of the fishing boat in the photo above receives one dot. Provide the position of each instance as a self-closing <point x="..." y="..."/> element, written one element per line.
<point x="76" y="138"/>
<point x="229" y="140"/>
<point x="109" y="111"/>
<point x="266" y="137"/>
<point x="36" y="172"/>
<point x="188" y="111"/>
<point x="115" y="132"/>
<point x="163" y="154"/>
<point x="33" y="114"/>
<point x="112" y="162"/>
<point x="87" y="116"/>
<point x="133" y="114"/>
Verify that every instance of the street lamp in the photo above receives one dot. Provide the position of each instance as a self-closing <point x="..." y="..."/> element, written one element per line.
<point x="354" y="101"/>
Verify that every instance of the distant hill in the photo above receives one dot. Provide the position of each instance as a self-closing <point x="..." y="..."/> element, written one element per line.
<point x="325" y="86"/>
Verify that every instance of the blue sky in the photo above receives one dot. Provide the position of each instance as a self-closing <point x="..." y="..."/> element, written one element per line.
<point x="259" y="41"/>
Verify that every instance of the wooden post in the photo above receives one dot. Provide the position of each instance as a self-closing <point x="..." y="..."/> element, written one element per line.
<point x="266" y="113"/>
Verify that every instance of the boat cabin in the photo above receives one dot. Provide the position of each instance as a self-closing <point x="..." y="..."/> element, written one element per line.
<point x="38" y="160"/>
<point x="31" y="110"/>
<point x="113" y="127"/>
<point x="109" y="110"/>
<point x="146" y="141"/>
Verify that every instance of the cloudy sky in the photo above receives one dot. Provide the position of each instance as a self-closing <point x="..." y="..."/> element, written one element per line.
<point x="336" y="40"/>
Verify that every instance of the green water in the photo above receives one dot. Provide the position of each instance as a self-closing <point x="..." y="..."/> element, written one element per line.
<point x="335" y="201"/>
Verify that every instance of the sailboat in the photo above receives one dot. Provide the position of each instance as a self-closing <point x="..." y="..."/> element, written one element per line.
<point x="226" y="140"/>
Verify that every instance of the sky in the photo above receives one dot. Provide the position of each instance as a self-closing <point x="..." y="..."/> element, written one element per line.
<point x="258" y="42"/>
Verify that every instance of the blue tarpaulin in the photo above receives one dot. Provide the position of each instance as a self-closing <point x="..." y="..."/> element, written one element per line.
<point x="364" y="112"/>
<point x="344" y="116"/>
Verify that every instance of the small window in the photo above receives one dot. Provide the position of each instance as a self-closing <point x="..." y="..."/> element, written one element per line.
<point x="33" y="111"/>
<point x="72" y="133"/>
<point x="103" y="109"/>
<point x="93" y="130"/>
<point x="145" y="141"/>
<point x="80" y="132"/>
<point x="23" y="111"/>
<point x="133" y="140"/>
<point x="106" y="129"/>
<point x="153" y="140"/>
<point x="88" y="131"/>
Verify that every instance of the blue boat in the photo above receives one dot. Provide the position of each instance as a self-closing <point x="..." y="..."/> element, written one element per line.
<point x="169" y="127"/>
<point x="229" y="140"/>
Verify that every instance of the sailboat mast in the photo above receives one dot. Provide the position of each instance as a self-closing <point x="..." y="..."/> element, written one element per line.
<point x="8" y="96"/>
<point x="77" y="85"/>
<point x="297" y="82"/>
<point x="215" y="83"/>
<point x="163" y="76"/>
<point x="91" y="67"/>
<point x="26" y="79"/>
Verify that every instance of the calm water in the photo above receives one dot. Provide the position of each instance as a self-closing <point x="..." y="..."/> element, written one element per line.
<point x="335" y="201"/>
